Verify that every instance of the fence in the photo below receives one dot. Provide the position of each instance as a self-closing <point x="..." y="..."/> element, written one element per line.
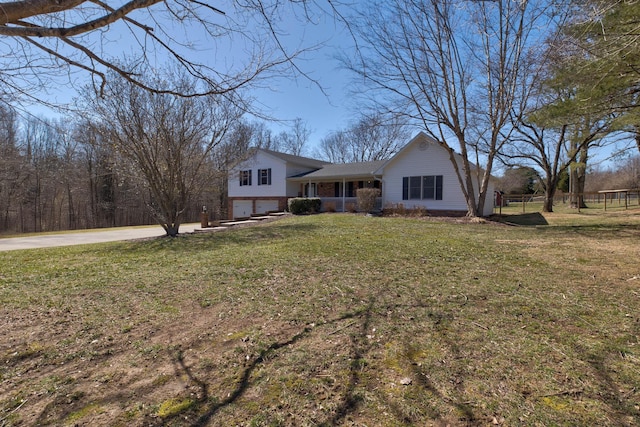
<point x="605" y="200"/>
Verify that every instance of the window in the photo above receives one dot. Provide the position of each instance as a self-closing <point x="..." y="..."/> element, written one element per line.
<point x="264" y="176"/>
<point x="245" y="177"/>
<point x="422" y="187"/>
<point x="414" y="187"/>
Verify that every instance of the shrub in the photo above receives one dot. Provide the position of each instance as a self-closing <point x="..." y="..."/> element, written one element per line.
<point x="304" y="205"/>
<point x="330" y="207"/>
<point x="401" y="210"/>
<point x="367" y="199"/>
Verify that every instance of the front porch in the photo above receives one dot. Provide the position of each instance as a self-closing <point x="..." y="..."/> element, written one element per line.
<point x="344" y="204"/>
<point x="337" y="185"/>
<point x="339" y="196"/>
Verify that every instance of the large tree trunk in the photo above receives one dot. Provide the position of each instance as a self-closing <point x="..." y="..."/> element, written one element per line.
<point x="581" y="177"/>
<point x="171" y="229"/>
<point x="549" y="193"/>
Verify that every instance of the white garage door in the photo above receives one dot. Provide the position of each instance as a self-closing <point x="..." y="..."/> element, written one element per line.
<point x="242" y="208"/>
<point x="264" y="206"/>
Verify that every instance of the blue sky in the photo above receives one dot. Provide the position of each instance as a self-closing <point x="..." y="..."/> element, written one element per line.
<point x="286" y="99"/>
<point x="323" y="109"/>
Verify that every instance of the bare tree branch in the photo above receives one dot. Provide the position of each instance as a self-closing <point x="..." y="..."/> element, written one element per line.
<point x="223" y="49"/>
<point x="35" y="31"/>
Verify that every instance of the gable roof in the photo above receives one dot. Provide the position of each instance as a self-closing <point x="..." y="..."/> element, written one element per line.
<point x="423" y="138"/>
<point x="344" y="170"/>
<point x="298" y="160"/>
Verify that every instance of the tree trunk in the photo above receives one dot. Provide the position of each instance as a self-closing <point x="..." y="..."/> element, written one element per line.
<point x="581" y="172"/>
<point x="171" y="229"/>
<point x="580" y="189"/>
<point x="71" y="209"/>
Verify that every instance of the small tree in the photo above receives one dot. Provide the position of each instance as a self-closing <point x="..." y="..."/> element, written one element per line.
<point x="167" y="141"/>
<point x="367" y="199"/>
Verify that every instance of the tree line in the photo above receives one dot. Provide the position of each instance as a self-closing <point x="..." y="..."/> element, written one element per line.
<point x="499" y="84"/>
<point x="136" y="157"/>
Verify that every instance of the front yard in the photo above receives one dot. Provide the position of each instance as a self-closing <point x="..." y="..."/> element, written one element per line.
<point x="332" y="319"/>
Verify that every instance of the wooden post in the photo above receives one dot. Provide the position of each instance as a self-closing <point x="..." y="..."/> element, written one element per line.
<point x="626" y="200"/>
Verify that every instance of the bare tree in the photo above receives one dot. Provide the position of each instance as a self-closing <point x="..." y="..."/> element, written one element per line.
<point x="372" y="137"/>
<point x="48" y="40"/>
<point x="12" y="174"/>
<point x="553" y="151"/>
<point x="295" y="140"/>
<point x="625" y="174"/>
<point x="456" y="68"/>
<point x="335" y="147"/>
<point x="554" y="128"/>
<point x="166" y="139"/>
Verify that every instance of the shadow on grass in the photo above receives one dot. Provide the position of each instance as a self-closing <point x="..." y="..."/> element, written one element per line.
<point x="208" y="409"/>
<point x="527" y="219"/>
<point x="616" y="394"/>
<point x="242" y="235"/>
<point x="352" y="395"/>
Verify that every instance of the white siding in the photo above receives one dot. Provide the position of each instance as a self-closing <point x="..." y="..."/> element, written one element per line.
<point x="412" y="161"/>
<point x="261" y="160"/>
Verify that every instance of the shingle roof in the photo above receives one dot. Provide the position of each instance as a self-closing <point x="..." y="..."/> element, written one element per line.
<point x="299" y="160"/>
<point x="346" y="170"/>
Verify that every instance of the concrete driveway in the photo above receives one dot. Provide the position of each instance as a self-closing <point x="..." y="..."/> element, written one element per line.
<point x="86" y="237"/>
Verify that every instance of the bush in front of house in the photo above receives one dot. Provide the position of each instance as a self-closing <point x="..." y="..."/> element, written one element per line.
<point x="304" y="205"/>
<point x="330" y="207"/>
<point x="401" y="210"/>
<point x="367" y="199"/>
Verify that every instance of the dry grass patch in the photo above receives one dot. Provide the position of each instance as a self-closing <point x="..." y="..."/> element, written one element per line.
<point x="328" y="320"/>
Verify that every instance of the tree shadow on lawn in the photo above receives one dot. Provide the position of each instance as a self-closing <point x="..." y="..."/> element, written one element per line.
<point x="197" y="242"/>
<point x="205" y="407"/>
<point x="351" y="397"/>
<point x="526" y="219"/>
<point x="359" y="380"/>
<point x="616" y="395"/>
<point x="349" y="400"/>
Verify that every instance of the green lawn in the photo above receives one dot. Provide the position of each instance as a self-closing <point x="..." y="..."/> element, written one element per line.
<point x="330" y="320"/>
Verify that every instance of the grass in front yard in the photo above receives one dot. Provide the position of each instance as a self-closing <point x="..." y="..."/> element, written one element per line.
<point x="328" y="320"/>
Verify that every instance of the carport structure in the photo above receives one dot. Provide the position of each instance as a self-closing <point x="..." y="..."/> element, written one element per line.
<point x="619" y="195"/>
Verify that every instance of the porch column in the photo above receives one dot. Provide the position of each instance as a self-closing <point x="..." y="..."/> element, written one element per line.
<point x="343" y="194"/>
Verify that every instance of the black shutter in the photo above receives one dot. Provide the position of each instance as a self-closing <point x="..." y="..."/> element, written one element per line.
<point x="438" y="187"/>
<point x="405" y="188"/>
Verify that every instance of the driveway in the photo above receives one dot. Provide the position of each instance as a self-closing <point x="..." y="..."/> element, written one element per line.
<point x="87" y="237"/>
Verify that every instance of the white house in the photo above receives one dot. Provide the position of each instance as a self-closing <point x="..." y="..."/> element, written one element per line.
<point x="261" y="183"/>
<point x="420" y="175"/>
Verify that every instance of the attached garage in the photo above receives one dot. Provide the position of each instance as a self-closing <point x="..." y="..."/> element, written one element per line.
<point x="264" y="206"/>
<point x="242" y="208"/>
